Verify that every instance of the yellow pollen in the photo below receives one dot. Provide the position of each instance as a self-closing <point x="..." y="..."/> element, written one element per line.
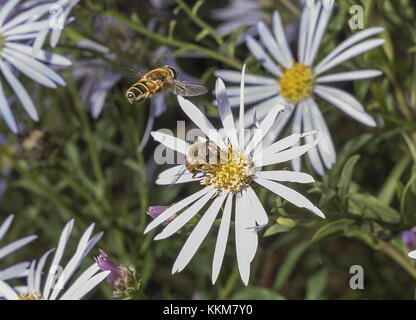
<point x="1" y="42"/>
<point x="297" y="83"/>
<point x="30" y="296"/>
<point x="233" y="173"/>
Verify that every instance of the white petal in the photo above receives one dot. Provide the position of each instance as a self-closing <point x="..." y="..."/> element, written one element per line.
<point x="285" y="175"/>
<point x="45" y="56"/>
<point x="235" y="77"/>
<point x="303" y="33"/>
<point x="89" y="285"/>
<point x="185" y="216"/>
<point x="326" y="146"/>
<point x="349" y="76"/>
<point x="313" y="152"/>
<point x="27" y="28"/>
<point x="282" y="144"/>
<point x="63" y="240"/>
<point x="259" y="53"/>
<point x="264" y="128"/>
<point x="201" y="121"/>
<point x="280" y="123"/>
<point x="260" y="94"/>
<point x="198" y="234"/>
<point x="260" y="215"/>
<point x="184" y="178"/>
<point x="7" y="291"/>
<point x="6" y="9"/>
<point x="289" y="154"/>
<point x="6" y="112"/>
<point x="253" y="90"/>
<point x="350" y="53"/>
<point x="11" y="247"/>
<point x="19" y="90"/>
<point x="281" y="39"/>
<point x="346" y="103"/>
<point x="290" y="195"/>
<point x="246" y="240"/>
<point x="32" y="14"/>
<point x="224" y="109"/>
<point x="82" y="279"/>
<point x="171" y="172"/>
<point x="39" y="270"/>
<point x="411" y="254"/>
<point x="176" y="207"/>
<point x="16" y="271"/>
<point x="222" y="238"/>
<point x="261" y="110"/>
<point x="314" y="11"/>
<point x="270" y="43"/>
<point x="6" y="223"/>
<point x="171" y="142"/>
<point x="297" y="128"/>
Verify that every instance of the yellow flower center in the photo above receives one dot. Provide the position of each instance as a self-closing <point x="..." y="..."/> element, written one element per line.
<point x="297" y="83"/>
<point x="30" y="296"/>
<point x="233" y="173"/>
<point x="1" y="42"/>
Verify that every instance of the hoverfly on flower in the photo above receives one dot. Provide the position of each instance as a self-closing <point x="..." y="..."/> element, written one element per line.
<point x="158" y="80"/>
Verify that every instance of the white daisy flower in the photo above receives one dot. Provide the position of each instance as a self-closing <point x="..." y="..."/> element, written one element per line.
<point x="16" y="32"/>
<point x="19" y="269"/>
<point x="297" y="82"/>
<point x="229" y="183"/>
<point x="57" y="277"/>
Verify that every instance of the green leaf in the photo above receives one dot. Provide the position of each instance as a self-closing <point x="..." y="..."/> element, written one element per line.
<point x="289" y="264"/>
<point x="277" y="228"/>
<point x="331" y="228"/>
<point x="316" y="285"/>
<point x="286" y="222"/>
<point x="373" y="208"/>
<point x="346" y="175"/>
<point x="256" y="293"/>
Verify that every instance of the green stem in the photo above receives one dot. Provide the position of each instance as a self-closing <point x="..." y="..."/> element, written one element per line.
<point x="199" y="22"/>
<point x="398" y="257"/>
<point x="229" y="285"/>
<point x="186" y="46"/>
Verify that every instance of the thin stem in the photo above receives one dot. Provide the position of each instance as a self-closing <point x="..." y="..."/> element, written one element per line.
<point x="185" y="46"/>
<point x="398" y="257"/>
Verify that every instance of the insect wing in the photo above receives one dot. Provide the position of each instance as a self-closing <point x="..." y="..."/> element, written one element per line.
<point x="177" y="176"/>
<point x="187" y="89"/>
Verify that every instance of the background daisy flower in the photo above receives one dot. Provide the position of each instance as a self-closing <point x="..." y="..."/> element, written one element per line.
<point x="296" y="82"/>
<point x="229" y="184"/>
<point x="16" y="270"/>
<point x="17" y="32"/>
<point x="58" y="277"/>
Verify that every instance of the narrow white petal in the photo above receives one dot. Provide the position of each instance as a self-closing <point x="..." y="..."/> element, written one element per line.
<point x="349" y="76"/>
<point x="346" y="103"/>
<point x="290" y="195"/>
<point x="15" y="271"/>
<point x="282" y="144"/>
<point x="222" y="238"/>
<point x="11" y="247"/>
<point x="264" y="128"/>
<point x="32" y="14"/>
<point x="303" y="33"/>
<point x="171" y="142"/>
<point x="297" y="128"/>
<point x="63" y="240"/>
<point x="89" y="285"/>
<point x="260" y="215"/>
<point x="281" y="39"/>
<point x="39" y="42"/>
<point x="326" y="146"/>
<point x="350" y="53"/>
<point x="253" y="89"/>
<point x="201" y="121"/>
<point x="314" y="11"/>
<point x="185" y="216"/>
<point x="45" y="56"/>
<point x="289" y="154"/>
<point x="198" y="234"/>
<point x="235" y="77"/>
<point x="6" y="223"/>
<point x="224" y="109"/>
<point x="242" y="112"/>
<point x="187" y="177"/>
<point x="271" y="45"/>
<point x="246" y="240"/>
<point x="82" y="279"/>
<point x="258" y="52"/>
<point x="285" y="175"/>
<point x="280" y="123"/>
<point x="313" y="153"/>
<point x="19" y="90"/>
<point x="39" y="270"/>
<point x="411" y="254"/>
<point x="261" y="110"/>
<point x="176" y="207"/>
<point x="349" y="42"/>
<point x="27" y="28"/>
<point x="171" y="172"/>
<point x="5" y="11"/>
<point x="7" y="291"/>
<point x="259" y="95"/>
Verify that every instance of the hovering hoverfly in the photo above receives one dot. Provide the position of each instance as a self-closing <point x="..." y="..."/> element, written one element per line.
<point x="157" y="80"/>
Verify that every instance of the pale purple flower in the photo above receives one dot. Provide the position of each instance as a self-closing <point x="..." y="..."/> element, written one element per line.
<point x="409" y="239"/>
<point x="119" y="277"/>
